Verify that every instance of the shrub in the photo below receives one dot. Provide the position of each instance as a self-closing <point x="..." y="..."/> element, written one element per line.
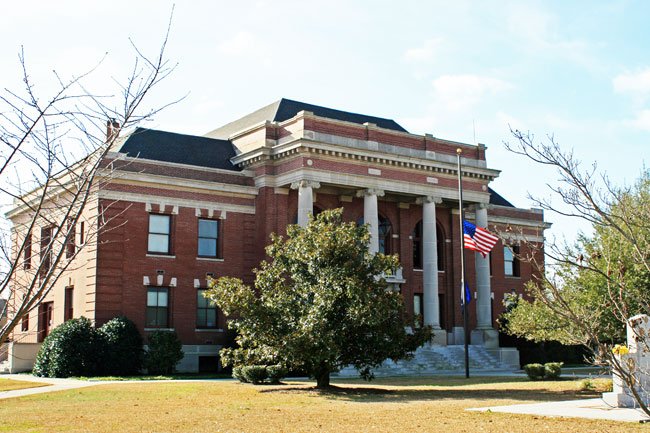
<point x="74" y="348"/>
<point x="124" y="343"/>
<point x="534" y="371"/>
<point x="552" y="370"/>
<point x="255" y="374"/>
<point x="276" y="373"/>
<point x="237" y="374"/>
<point x="165" y="351"/>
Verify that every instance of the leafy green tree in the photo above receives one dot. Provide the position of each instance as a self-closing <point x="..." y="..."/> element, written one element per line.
<point x="319" y="303"/>
<point x="586" y="292"/>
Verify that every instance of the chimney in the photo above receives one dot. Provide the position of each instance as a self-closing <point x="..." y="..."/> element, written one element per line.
<point x="112" y="130"/>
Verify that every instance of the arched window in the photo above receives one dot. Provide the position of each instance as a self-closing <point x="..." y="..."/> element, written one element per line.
<point x="417" y="246"/>
<point x="440" y="238"/>
<point x="384" y="233"/>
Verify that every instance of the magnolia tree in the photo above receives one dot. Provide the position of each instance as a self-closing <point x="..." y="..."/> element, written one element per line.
<point x="320" y="303"/>
<point x="52" y="152"/>
<point x="590" y="288"/>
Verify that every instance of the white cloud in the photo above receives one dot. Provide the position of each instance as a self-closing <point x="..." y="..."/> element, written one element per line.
<point x="538" y="32"/>
<point x="459" y="92"/>
<point x="505" y="120"/>
<point x="636" y="83"/>
<point x="427" y="52"/>
<point x="642" y="121"/>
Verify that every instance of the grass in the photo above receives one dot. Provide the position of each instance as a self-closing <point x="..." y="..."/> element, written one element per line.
<point x="385" y="405"/>
<point x="177" y="376"/>
<point x="10" y="385"/>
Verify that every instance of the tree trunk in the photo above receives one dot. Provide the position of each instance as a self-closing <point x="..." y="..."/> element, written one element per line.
<point x="323" y="379"/>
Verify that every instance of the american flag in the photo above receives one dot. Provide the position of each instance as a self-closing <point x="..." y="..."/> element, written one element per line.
<point x="478" y="239"/>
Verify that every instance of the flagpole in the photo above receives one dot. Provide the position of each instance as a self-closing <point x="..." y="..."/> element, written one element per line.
<point x="462" y="266"/>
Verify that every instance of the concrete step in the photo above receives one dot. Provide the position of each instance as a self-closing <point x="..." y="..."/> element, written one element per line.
<point x="434" y="359"/>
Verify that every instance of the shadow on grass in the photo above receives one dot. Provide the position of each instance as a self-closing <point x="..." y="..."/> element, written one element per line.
<point x="377" y="394"/>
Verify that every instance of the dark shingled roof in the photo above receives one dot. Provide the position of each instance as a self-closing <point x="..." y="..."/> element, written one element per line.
<point x="284" y="109"/>
<point x="497" y="199"/>
<point x="180" y="148"/>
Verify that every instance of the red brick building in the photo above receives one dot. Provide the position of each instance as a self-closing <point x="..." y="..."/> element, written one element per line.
<point x="181" y="208"/>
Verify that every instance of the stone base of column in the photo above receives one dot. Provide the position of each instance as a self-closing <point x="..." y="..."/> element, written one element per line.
<point x="488" y="338"/>
<point x="439" y="337"/>
<point x="457" y="335"/>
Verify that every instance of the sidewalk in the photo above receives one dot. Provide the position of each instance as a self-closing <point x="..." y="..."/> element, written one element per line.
<point x="593" y="408"/>
<point x="54" y="385"/>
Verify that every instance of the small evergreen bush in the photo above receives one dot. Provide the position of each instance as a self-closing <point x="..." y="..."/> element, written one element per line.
<point x="534" y="371"/>
<point x="238" y="374"/>
<point x="164" y="352"/>
<point x="548" y="371"/>
<point x="276" y="373"/>
<point x="124" y="356"/>
<point x="74" y="348"/>
<point x="552" y="370"/>
<point x="255" y="374"/>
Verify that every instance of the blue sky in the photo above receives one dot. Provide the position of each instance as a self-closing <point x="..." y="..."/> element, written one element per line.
<point x="579" y="70"/>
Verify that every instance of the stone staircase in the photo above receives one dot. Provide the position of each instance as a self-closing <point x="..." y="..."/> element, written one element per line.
<point x="433" y="359"/>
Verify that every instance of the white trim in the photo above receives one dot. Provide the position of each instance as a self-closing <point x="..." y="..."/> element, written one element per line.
<point x="159" y="329"/>
<point x="209" y="330"/>
<point x="187" y="203"/>
<point x="209" y="259"/>
<point x="243" y="173"/>
<point x="161" y="256"/>
<point x="184" y="182"/>
<point x="364" y="182"/>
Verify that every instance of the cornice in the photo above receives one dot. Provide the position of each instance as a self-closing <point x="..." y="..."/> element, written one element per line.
<point x="307" y="147"/>
<point x="155" y="180"/>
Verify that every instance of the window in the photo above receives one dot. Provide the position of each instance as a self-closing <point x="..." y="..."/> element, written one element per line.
<point x="208" y="238"/>
<point x="159" y="231"/>
<point x="417" y="246"/>
<point x="45" y="314"/>
<point x="510" y="260"/>
<point x="206" y="311"/>
<point x="69" y="304"/>
<point x="27" y="252"/>
<point x="385" y="233"/>
<point x="24" y="324"/>
<point x="46" y="252"/>
<point x="417" y="306"/>
<point x="440" y="239"/>
<point x="82" y="231"/>
<point x="70" y="247"/>
<point x="157" y="307"/>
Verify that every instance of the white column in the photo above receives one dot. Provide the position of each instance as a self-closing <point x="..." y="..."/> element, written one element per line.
<point x="371" y="215"/>
<point x="483" y="290"/>
<point x="431" y="306"/>
<point x="305" y="200"/>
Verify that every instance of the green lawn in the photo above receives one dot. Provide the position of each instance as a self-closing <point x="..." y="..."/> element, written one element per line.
<point x="385" y="405"/>
<point x="10" y="385"/>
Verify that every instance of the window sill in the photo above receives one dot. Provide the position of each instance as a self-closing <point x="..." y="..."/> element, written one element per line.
<point x="208" y="330"/>
<point x="517" y="277"/>
<point x="161" y="256"/>
<point x="158" y="329"/>
<point x="210" y="259"/>
<point x="417" y="270"/>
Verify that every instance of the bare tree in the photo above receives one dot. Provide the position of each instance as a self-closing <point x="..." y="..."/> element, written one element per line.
<point x="591" y="288"/>
<point x="53" y="159"/>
